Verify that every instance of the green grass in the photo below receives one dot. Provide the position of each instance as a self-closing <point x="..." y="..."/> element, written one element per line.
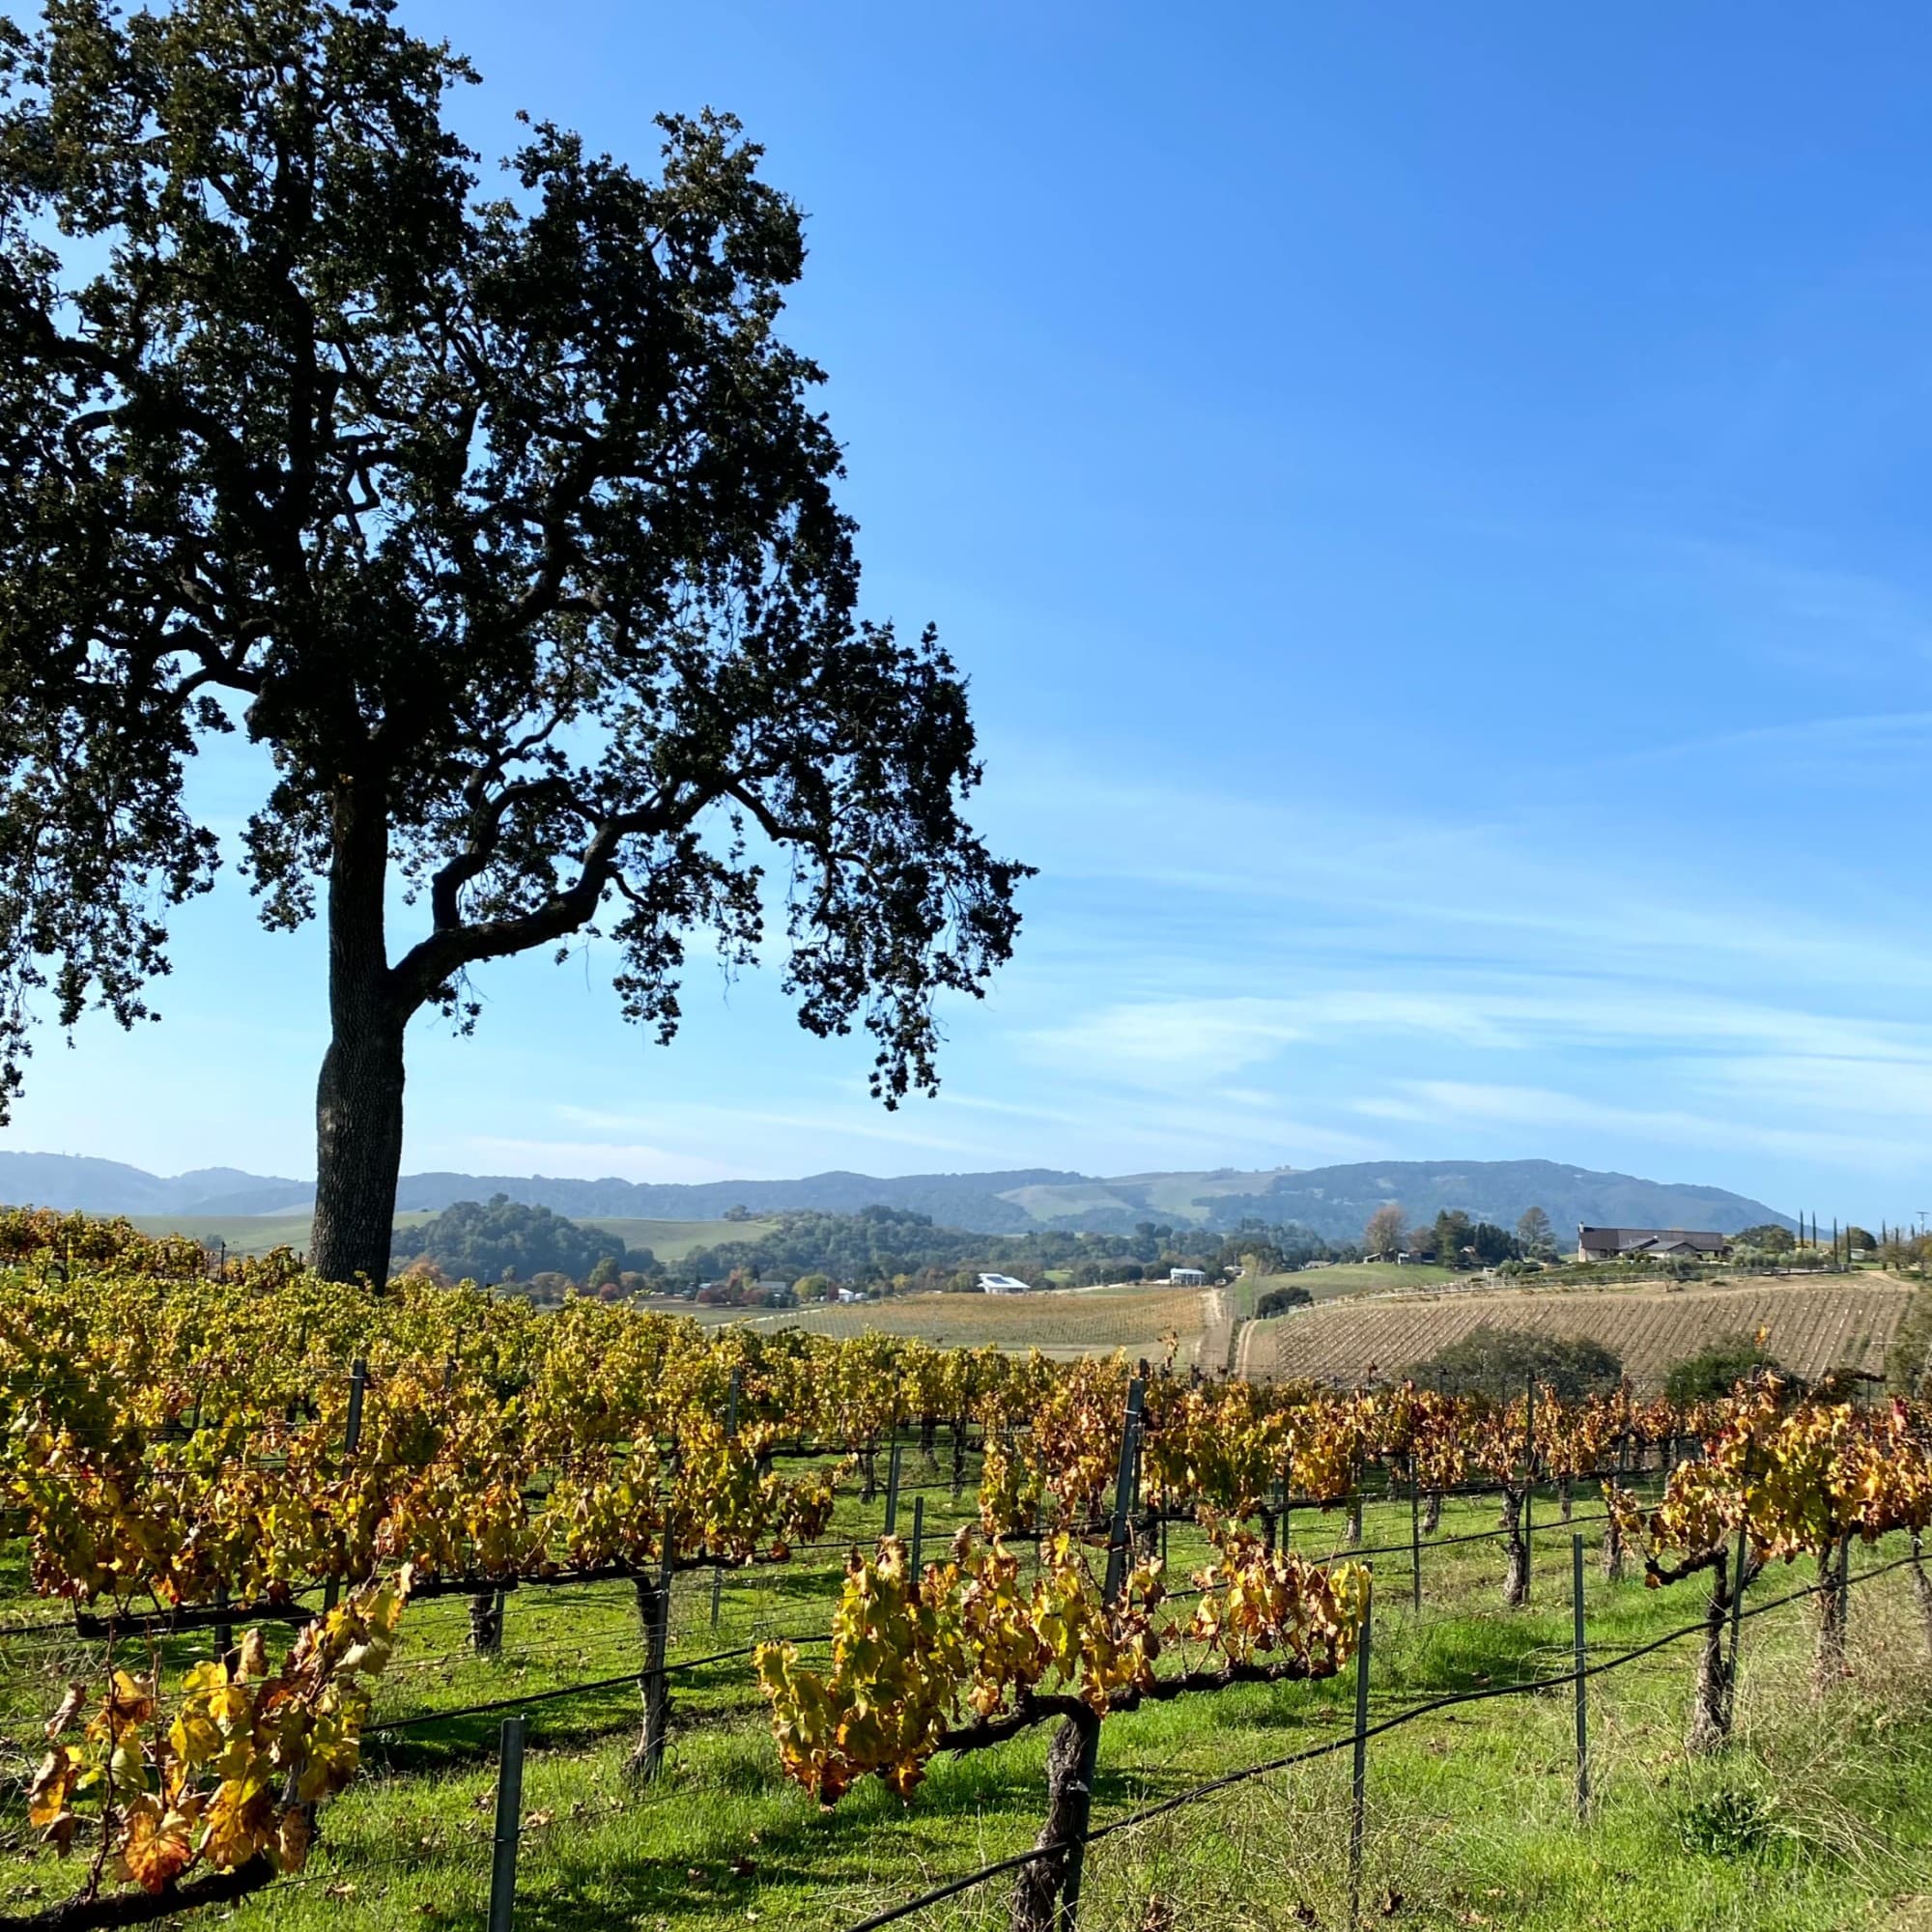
<point x="1820" y="1816"/>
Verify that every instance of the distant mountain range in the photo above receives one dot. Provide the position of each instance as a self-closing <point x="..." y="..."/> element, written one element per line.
<point x="1333" y="1202"/>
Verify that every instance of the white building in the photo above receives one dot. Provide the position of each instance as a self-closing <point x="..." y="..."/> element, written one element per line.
<point x="1187" y="1277"/>
<point x="1002" y="1284"/>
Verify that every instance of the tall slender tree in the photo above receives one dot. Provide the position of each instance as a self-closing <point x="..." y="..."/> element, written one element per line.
<point x="504" y="522"/>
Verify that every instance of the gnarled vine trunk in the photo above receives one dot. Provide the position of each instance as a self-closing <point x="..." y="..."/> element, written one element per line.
<point x="1829" y="1666"/>
<point x="1515" y="1572"/>
<point x="1613" y="1550"/>
<point x="486" y="1622"/>
<point x="654" y="1615"/>
<point x="1069" y="1803"/>
<point x="1710" y="1701"/>
<point x="1432" y="1512"/>
<point x="1921" y="1584"/>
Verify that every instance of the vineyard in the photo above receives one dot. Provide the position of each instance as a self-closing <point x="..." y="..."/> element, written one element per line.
<point x="789" y="1618"/>
<point x="1810" y="1327"/>
<point x="1058" y="1321"/>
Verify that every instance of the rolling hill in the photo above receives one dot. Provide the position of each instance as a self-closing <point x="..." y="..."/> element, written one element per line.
<point x="1333" y="1202"/>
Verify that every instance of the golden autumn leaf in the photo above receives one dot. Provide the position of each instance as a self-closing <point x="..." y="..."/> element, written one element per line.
<point x="155" y="1845"/>
<point x="241" y="1821"/>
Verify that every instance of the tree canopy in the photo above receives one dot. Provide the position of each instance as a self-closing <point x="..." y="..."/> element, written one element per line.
<point x="496" y="512"/>
<point x="1499" y="1362"/>
<point x="499" y="1238"/>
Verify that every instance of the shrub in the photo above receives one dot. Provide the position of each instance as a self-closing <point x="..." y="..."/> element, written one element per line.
<point x="1499" y="1362"/>
<point x="1717" y="1368"/>
<point x="1278" y="1300"/>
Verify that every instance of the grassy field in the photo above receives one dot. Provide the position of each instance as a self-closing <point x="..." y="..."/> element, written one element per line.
<point x="1819" y="1816"/>
<point x="1810" y="1325"/>
<point x="1060" y="1321"/>
<point x="257" y="1233"/>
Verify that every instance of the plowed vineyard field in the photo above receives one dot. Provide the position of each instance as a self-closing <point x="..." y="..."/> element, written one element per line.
<point x="1813" y="1325"/>
<point x="1058" y="1321"/>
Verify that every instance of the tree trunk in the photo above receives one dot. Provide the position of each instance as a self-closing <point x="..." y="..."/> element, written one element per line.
<point x="359" y="1099"/>
<point x="1432" y="1512"/>
<point x="1070" y="1803"/>
<point x="869" y="1471"/>
<point x="1356" y="1522"/>
<point x="1563" y="1496"/>
<point x="1516" y="1576"/>
<point x="1711" y="1703"/>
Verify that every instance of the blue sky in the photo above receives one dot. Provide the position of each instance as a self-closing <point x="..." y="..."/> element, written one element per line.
<point x="1433" y="502"/>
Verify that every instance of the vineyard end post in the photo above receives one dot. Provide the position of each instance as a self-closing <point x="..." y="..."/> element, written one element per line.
<point x="1582" y="1696"/>
<point x="509" y="1826"/>
<point x="351" y="1440"/>
<point x="1117" y="1555"/>
<point x="918" y="1535"/>
<point x="1358" y="1786"/>
<point x="892" y="1487"/>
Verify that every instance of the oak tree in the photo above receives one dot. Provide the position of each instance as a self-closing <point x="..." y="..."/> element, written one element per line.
<point x="499" y="515"/>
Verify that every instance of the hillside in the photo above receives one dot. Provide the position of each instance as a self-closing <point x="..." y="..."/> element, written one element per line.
<point x="1332" y="1202"/>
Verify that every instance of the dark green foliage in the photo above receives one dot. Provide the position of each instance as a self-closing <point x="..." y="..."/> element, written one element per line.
<point x="1717" y="1368"/>
<point x="1498" y="1362"/>
<point x="493" y="1240"/>
<point x="497" y="512"/>
<point x="1908" y="1362"/>
<point x="1768" y="1236"/>
<point x="1278" y="1300"/>
<point x="880" y="1245"/>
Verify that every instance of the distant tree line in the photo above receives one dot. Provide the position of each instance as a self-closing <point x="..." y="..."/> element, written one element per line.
<point x="897" y="1251"/>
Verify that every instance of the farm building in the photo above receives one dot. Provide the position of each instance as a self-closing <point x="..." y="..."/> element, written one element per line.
<point x="1186" y="1277"/>
<point x="1611" y="1244"/>
<point x="1003" y="1284"/>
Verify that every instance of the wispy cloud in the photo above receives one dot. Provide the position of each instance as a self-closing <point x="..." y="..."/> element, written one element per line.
<point x="1450" y="1104"/>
